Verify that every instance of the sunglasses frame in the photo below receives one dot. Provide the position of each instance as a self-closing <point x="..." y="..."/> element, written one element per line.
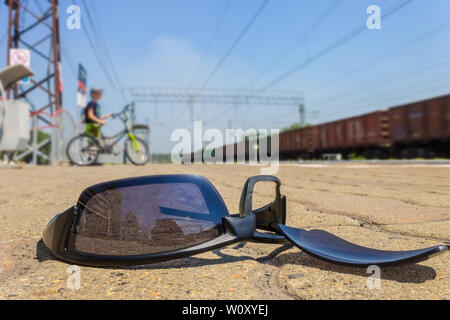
<point x="60" y="232"/>
<point x="59" y="236"/>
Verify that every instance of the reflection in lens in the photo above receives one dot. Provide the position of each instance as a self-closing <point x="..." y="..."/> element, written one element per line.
<point x="146" y="219"/>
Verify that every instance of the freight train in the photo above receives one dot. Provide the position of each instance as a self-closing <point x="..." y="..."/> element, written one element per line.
<point x="418" y="129"/>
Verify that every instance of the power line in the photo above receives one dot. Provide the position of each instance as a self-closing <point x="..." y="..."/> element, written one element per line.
<point x="95" y="27"/>
<point x="388" y="79"/>
<point x="365" y="99"/>
<point x="106" y="50"/>
<point x="3" y="38"/>
<point x="69" y="62"/>
<point x="314" y="26"/>
<point x="333" y="46"/>
<point x="297" y="42"/>
<point x="224" y="111"/>
<point x="372" y="102"/>
<point x="97" y="55"/>
<point x="236" y="42"/>
<point x="180" y="116"/>
<point x="441" y="84"/>
<point x="379" y="59"/>
<point x="214" y="35"/>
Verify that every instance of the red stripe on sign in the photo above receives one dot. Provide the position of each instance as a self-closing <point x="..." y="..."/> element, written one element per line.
<point x="81" y="85"/>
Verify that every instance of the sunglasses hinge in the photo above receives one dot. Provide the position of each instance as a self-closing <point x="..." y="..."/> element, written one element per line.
<point x="269" y="217"/>
<point x="73" y="228"/>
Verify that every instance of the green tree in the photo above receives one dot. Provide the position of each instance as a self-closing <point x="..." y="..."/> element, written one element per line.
<point x="295" y="126"/>
<point x="46" y="150"/>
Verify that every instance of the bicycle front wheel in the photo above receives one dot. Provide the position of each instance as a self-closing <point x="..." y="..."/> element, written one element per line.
<point x="83" y="150"/>
<point x="137" y="151"/>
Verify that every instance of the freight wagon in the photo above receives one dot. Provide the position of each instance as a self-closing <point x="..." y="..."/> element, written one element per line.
<point x="421" y="128"/>
<point x="418" y="129"/>
<point x="412" y="130"/>
<point x="366" y="134"/>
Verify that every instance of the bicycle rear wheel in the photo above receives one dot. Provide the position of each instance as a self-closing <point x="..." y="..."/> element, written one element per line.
<point x="83" y="150"/>
<point x="137" y="151"/>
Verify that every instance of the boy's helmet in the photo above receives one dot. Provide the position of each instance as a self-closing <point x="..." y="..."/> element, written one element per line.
<point x="97" y="90"/>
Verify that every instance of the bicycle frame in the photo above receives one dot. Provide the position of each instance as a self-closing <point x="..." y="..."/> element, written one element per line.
<point x="127" y="121"/>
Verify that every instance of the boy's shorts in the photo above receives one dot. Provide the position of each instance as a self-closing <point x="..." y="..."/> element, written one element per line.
<point x="93" y="130"/>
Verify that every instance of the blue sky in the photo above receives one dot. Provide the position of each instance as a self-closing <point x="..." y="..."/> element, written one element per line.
<point x="161" y="43"/>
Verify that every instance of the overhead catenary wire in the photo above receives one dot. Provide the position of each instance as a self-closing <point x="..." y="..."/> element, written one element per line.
<point x="375" y="61"/>
<point x="362" y="100"/>
<point x="333" y="46"/>
<point x="69" y="62"/>
<point x="69" y="59"/>
<point x="224" y="111"/>
<point x="94" y="30"/>
<point x="297" y="42"/>
<point x="402" y="75"/>
<point x="372" y="101"/>
<point x="335" y="111"/>
<point x="101" y="37"/>
<point x="440" y="84"/>
<point x="98" y="56"/>
<point x="235" y="42"/>
<point x="3" y="38"/>
<point x="314" y="26"/>
<point x="211" y="40"/>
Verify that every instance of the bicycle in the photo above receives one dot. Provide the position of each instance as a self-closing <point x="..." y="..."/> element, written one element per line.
<point x="84" y="149"/>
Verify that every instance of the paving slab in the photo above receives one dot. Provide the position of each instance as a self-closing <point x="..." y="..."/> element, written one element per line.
<point x="388" y="207"/>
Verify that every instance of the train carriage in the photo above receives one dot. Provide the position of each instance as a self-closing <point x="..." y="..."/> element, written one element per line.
<point x="420" y="128"/>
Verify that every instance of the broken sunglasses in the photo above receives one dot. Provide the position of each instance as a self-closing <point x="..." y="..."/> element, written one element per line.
<point x="151" y="219"/>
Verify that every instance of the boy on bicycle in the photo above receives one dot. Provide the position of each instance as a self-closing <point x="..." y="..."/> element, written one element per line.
<point x="92" y="117"/>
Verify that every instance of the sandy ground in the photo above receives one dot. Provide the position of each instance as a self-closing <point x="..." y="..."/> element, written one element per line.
<point x="386" y="207"/>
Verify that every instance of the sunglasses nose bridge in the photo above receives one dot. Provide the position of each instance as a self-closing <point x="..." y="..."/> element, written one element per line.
<point x="241" y="227"/>
<point x="245" y="229"/>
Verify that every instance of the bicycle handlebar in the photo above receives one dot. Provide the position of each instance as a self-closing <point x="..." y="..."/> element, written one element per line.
<point x="126" y="108"/>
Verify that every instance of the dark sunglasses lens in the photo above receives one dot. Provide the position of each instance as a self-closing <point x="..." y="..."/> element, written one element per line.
<point x="148" y="218"/>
